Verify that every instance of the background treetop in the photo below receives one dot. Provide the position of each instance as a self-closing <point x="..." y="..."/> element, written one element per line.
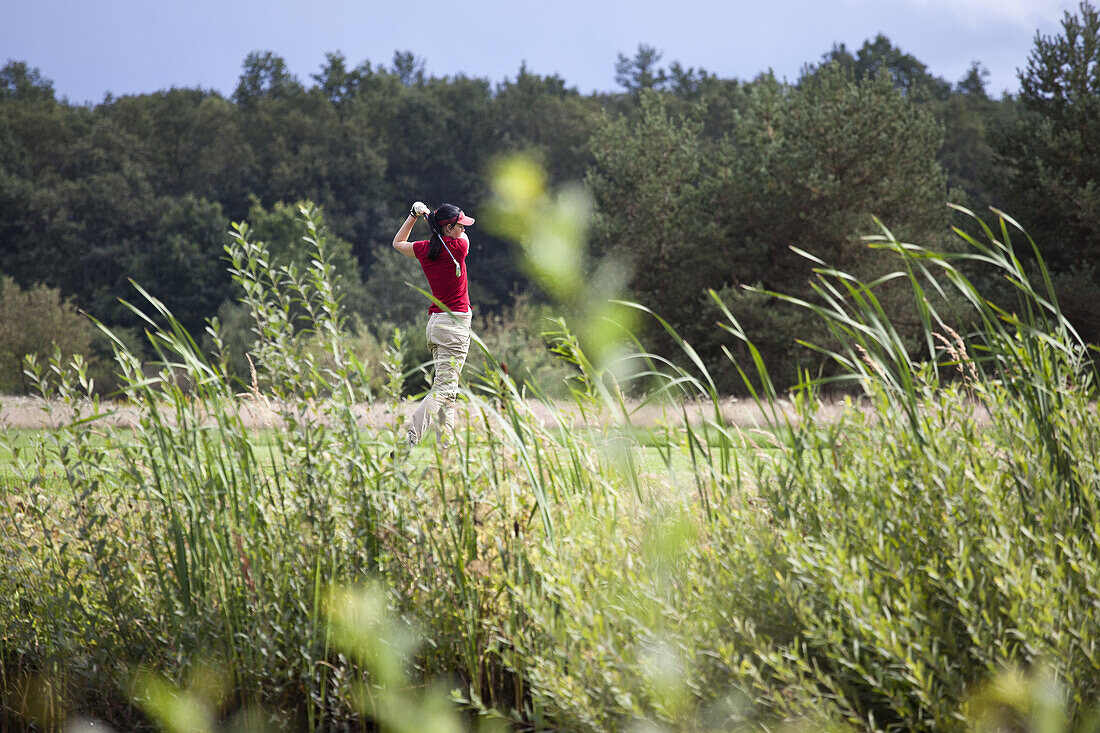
<point x="702" y="182"/>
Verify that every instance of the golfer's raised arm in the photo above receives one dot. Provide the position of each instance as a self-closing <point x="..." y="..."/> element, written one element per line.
<point x="401" y="240"/>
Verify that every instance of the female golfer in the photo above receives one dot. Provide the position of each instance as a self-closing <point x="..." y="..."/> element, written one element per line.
<point x="443" y="258"/>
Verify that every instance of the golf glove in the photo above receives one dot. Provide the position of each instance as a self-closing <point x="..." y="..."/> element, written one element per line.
<point x="418" y="210"/>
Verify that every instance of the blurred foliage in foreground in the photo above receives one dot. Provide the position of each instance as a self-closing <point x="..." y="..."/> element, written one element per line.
<point x="926" y="560"/>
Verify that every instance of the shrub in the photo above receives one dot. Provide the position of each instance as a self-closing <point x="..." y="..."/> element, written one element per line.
<point x="514" y="339"/>
<point x="36" y="321"/>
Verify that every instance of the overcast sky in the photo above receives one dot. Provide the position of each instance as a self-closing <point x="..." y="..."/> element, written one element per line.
<point x="91" y="47"/>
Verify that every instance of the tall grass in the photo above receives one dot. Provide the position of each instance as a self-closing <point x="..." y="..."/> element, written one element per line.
<point x="928" y="561"/>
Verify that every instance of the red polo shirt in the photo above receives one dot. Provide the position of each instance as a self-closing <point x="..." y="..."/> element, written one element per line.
<point x="449" y="290"/>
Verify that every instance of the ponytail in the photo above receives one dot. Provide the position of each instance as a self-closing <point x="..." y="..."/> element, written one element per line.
<point x="436" y="240"/>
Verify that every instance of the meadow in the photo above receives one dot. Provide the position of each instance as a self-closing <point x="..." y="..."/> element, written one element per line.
<point x="922" y="555"/>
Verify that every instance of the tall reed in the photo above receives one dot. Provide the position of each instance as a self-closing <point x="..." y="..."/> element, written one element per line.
<point x="900" y="566"/>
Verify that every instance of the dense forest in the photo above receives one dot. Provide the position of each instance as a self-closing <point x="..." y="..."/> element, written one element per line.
<point x="698" y="182"/>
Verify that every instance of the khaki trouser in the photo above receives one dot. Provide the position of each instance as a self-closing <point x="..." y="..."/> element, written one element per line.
<point x="449" y="340"/>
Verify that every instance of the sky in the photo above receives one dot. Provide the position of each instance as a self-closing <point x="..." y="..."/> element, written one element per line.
<point x="89" y="48"/>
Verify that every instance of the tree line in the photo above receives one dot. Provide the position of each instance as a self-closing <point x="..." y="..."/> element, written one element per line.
<point x="699" y="182"/>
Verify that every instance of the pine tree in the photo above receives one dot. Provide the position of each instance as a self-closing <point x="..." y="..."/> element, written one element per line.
<point x="1053" y="151"/>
